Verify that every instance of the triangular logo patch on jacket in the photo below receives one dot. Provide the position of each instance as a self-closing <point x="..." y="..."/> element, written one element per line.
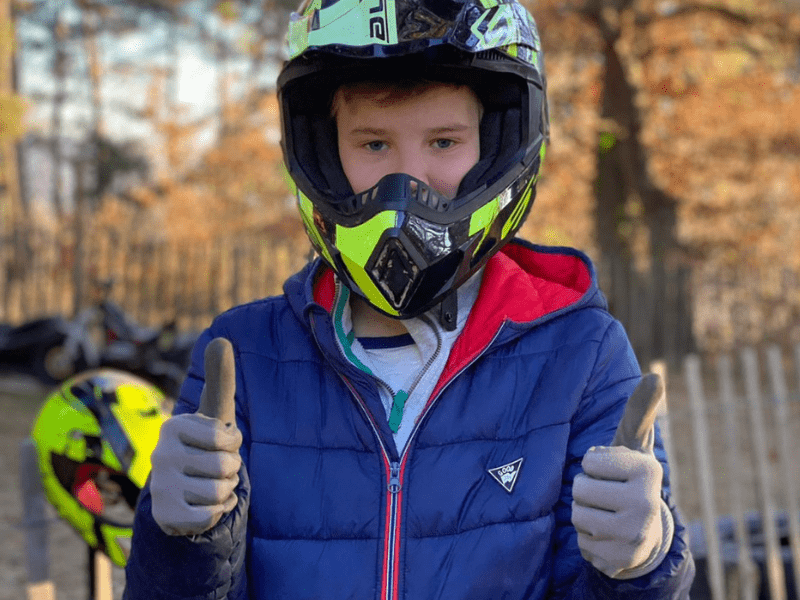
<point x="506" y="475"/>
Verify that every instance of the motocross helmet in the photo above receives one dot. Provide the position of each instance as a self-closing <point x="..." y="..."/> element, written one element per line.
<point x="401" y="245"/>
<point x="94" y="436"/>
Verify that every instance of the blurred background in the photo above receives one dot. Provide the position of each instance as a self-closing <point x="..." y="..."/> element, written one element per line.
<point x="140" y="143"/>
<point x="141" y="174"/>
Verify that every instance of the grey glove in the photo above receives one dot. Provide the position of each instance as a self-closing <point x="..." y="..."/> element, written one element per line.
<point x="196" y="462"/>
<point x="624" y="527"/>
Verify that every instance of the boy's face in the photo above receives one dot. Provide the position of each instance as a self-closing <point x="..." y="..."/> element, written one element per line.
<point x="432" y="135"/>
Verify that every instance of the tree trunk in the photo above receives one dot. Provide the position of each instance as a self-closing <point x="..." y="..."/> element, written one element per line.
<point x="623" y="182"/>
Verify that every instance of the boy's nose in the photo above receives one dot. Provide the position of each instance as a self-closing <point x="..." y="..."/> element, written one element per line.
<point x="416" y="168"/>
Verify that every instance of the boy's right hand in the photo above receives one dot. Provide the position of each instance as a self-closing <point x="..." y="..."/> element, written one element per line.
<point x="196" y="462"/>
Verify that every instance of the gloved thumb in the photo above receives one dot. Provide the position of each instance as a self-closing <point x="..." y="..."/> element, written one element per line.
<point x="636" y="430"/>
<point x="217" y="398"/>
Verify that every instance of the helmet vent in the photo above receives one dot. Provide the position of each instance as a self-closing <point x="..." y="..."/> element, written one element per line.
<point x="491" y="54"/>
<point x="395" y="272"/>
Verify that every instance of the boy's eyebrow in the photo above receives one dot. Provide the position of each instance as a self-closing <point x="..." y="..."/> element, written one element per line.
<point x="367" y="131"/>
<point x="451" y="127"/>
<point x="454" y="127"/>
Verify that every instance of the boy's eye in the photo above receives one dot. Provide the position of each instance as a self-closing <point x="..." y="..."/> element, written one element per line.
<point x="375" y="146"/>
<point x="444" y="143"/>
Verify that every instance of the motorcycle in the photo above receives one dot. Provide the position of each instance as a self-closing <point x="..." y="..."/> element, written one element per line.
<point x="53" y="348"/>
<point x="159" y="354"/>
<point x="50" y="349"/>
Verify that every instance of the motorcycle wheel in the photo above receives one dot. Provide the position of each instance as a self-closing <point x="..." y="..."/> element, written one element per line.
<point x="55" y="364"/>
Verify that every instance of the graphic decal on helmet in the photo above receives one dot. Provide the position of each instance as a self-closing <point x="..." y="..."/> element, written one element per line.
<point x="93" y="437"/>
<point x="401" y="245"/>
<point x="362" y="22"/>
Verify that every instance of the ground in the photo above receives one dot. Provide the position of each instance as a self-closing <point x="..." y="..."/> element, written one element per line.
<point x="19" y="404"/>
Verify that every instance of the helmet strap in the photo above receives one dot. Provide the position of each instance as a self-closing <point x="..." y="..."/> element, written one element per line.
<point x="448" y="311"/>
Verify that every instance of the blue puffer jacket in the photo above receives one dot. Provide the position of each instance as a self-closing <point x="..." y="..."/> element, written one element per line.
<point x="330" y="509"/>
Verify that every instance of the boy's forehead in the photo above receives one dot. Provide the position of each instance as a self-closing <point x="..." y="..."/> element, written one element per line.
<point x="373" y="95"/>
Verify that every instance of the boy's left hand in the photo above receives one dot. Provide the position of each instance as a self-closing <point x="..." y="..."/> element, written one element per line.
<point x="624" y="528"/>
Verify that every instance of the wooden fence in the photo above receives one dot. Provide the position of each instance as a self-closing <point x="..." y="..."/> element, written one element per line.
<point x="44" y="272"/>
<point x="732" y="433"/>
<point x="154" y="281"/>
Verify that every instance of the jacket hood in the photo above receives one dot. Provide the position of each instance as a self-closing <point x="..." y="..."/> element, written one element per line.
<point x="524" y="285"/>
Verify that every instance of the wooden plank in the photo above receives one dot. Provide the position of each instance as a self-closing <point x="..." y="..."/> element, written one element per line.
<point x="4" y="251"/>
<point x="663" y="421"/>
<point x="34" y="520"/>
<point x="30" y="291"/>
<point x="705" y="475"/>
<point x="774" y="563"/>
<point x="133" y="294"/>
<point x="748" y="576"/>
<point x="49" y="258"/>
<point x="238" y="292"/>
<point x="43" y="590"/>
<point x="781" y="395"/>
<point x="102" y="585"/>
<point x="797" y="365"/>
<point x="79" y="265"/>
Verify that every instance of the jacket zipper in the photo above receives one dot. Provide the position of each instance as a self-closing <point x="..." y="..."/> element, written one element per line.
<point x="393" y="539"/>
<point x="395" y="471"/>
<point x="393" y="486"/>
<point x="392" y="560"/>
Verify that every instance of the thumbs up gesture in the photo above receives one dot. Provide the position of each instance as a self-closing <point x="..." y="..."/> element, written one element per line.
<point x="624" y="528"/>
<point x="196" y="462"/>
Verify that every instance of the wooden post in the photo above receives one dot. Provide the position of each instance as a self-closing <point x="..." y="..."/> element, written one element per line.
<point x="797" y="365"/>
<point x="781" y="394"/>
<point x="774" y="561"/>
<point x="49" y="258"/>
<point x="164" y="312"/>
<point x="238" y="292"/>
<point x="132" y="293"/>
<point x="4" y="245"/>
<point x="659" y="367"/>
<point x="78" y="272"/>
<point x="748" y="575"/>
<point x="100" y="582"/>
<point x="669" y="322"/>
<point x="199" y="285"/>
<point x="34" y="505"/>
<point x="705" y="475"/>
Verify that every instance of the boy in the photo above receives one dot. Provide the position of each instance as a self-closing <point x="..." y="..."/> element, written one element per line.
<point x="414" y="413"/>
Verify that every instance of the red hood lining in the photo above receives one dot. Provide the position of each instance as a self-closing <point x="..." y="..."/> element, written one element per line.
<point x="325" y="289"/>
<point x="520" y="285"/>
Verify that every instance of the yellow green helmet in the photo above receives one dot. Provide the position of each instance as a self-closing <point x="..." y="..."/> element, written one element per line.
<point x="94" y="436"/>
<point x="401" y="245"/>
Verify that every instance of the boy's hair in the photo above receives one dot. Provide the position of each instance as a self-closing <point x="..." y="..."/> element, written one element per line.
<point x="388" y="92"/>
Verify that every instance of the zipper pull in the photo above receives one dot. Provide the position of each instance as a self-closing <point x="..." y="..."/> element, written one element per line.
<point x="394" y="480"/>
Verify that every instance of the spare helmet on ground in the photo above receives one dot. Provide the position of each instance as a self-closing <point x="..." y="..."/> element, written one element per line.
<point x="94" y="436"/>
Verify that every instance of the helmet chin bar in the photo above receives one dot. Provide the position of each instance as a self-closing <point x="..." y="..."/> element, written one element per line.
<point x="417" y="258"/>
<point x="415" y="263"/>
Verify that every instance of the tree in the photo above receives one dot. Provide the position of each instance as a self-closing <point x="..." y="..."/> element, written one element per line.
<point x="655" y="155"/>
<point x="11" y="118"/>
